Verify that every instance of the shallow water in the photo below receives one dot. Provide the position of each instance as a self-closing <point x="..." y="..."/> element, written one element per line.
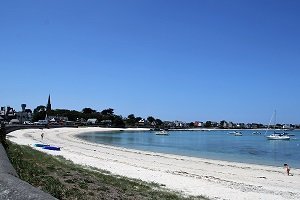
<point x="219" y="145"/>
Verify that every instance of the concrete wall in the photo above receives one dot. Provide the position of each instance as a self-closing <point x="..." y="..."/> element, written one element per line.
<point x="13" y="188"/>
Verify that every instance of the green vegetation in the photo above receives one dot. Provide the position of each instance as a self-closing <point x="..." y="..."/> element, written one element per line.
<point x="65" y="180"/>
<point x="3" y="136"/>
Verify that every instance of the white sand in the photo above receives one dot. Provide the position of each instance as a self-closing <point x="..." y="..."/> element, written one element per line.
<point x="190" y="176"/>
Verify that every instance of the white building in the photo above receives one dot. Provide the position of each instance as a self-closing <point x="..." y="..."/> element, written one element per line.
<point x="92" y="121"/>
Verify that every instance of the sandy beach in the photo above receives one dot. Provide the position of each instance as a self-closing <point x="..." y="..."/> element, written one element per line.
<point x="190" y="176"/>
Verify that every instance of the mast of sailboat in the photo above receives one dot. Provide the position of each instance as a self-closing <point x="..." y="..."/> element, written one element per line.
<point x="273" y="116"/>
<point x="274" y="119"/>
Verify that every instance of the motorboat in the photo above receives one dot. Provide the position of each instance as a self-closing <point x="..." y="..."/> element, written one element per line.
<point x="278" y="136"/>
<point x="235" y="133"/>
<point x="162" y="132"/>
<point x="238" y="133"/>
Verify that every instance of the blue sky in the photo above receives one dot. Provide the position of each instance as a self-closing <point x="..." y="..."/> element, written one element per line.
<point x="173" y="60"/>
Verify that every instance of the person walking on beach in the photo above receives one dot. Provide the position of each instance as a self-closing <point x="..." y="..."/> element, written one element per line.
<point x="42" y="135"/>
<point x="287" y="169"/>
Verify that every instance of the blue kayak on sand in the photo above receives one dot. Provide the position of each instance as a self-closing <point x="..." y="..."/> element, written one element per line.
<point x="52" y="148"/>
<point x="41" y="145"/>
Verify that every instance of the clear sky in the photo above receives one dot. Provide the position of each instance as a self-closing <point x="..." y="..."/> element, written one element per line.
<point x="174" y="60"/>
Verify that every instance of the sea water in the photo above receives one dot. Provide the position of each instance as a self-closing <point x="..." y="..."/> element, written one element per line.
<point x="214" y="144"/>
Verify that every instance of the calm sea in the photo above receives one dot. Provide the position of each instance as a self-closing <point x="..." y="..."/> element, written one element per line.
<point x="219" y="145"/>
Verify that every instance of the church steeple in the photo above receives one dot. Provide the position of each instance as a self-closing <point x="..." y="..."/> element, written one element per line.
<point x="48" y="107"/>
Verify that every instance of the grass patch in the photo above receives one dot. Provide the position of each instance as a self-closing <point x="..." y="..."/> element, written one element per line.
<point x="65" y="180"/>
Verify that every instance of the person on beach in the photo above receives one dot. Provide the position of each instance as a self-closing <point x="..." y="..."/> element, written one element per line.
<point x="287" y="169"/>
<point x="42" y="135"/>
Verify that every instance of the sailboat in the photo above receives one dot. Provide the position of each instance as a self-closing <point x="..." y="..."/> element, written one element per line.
<point x="276" y="135"/>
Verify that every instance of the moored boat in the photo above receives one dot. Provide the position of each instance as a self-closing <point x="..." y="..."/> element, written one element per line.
<point x="278" y="136"/>
<point x="163" y="132"/>
<point x="238" y="133"/>
<point x="235" y="133"/>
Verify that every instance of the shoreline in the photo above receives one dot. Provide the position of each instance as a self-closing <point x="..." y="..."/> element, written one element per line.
<point x="189" y="175"/>
<point x="211" y="157"/>
<point x="230" y="129"/>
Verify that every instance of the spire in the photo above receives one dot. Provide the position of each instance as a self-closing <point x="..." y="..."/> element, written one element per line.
<point x="48" y="108"/>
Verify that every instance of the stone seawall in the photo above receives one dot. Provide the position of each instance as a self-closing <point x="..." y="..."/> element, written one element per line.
<point x="13" y="188"/>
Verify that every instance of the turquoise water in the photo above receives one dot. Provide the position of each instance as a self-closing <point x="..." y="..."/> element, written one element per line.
<point x="219" y="145"/>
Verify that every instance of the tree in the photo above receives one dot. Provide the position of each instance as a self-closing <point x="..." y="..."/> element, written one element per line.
<point x="150" y="119"/>
<point x="28" y="110"/>
<point x="108" y="111"/>
<point x="222" y="124"/>
<point x="192" y="124"/>
<point x="137" y="119"/>
<point x="278" y="126"/>
<point x="131" y="116"/>
<point x="88" y="111"/>
<point x="39" y="109"/>
<point x="118" y="122"/>
<point x="207" y="124"/>
<point x="158" y="122"/>
<point x="71" y="114"/>
<point x="130" y="121"/>
<point x="39" y="113"/>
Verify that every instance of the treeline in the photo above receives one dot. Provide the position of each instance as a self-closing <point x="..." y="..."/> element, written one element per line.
<point x="131" y="120"/>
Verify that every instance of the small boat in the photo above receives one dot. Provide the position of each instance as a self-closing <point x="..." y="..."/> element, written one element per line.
<point x="278" y="136"/>
<point x="238" y="133"/>
<point x="163" y="132"/>
<point x="235" y="133"/>
<point x="232" y="132"/>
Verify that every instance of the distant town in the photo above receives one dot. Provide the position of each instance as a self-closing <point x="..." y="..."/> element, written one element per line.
<point x="45" y="115"/>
